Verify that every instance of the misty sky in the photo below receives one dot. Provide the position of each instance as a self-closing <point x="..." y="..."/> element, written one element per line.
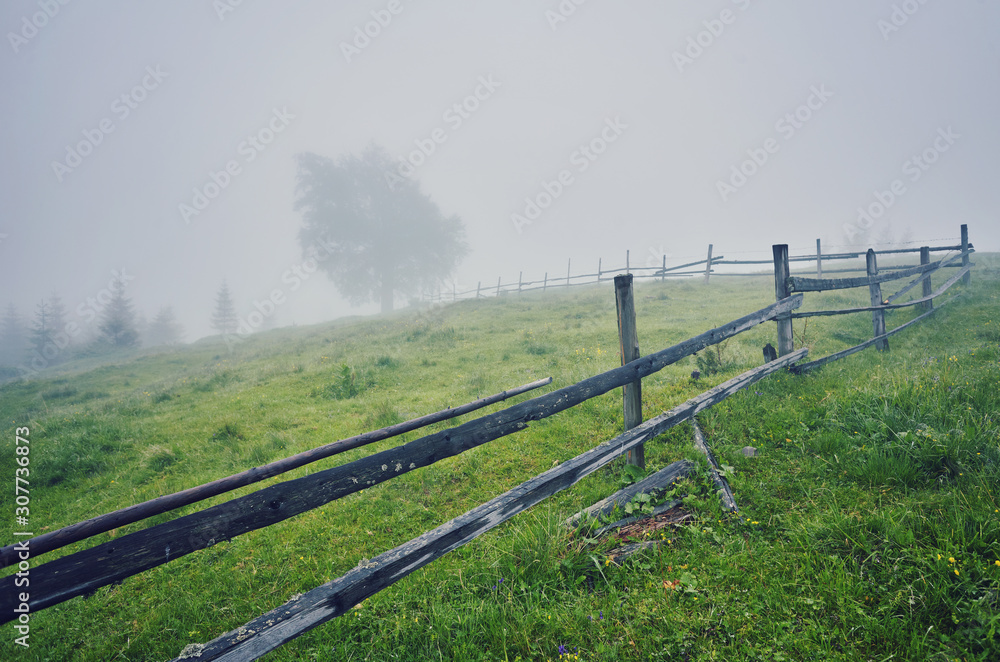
<point x="643" y="109"/>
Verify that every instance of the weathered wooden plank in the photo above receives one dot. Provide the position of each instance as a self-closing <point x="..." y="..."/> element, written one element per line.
<point x="891" y="306"/>
<point x="875" y="292"/>
<point x="928" y="303"/>
<point x="965" y="253"/>
<point x="781" y="291"/>
<point x="321" y="604"/>
<point x="81" y="530"/>
<point x="85" y="571"/>
<point x="628" y="345"/>
<point x="925" y="278"/>
<point x="857" y="348"/>
<point x="708" y="264"/>
<point x="725" y="492"/>
<point x="798" y="284"/>
<point x="659" y="481"/>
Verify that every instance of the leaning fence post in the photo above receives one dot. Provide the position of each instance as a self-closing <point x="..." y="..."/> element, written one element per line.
<point x="875" y="289"/>
<point x="781" y="291"/>
<point x="708" y="264"/>
<point x="965" y="257"/>
<point x="925" y="258"/>
<point x="819" y="259"/>
<point x="628" y="339"/>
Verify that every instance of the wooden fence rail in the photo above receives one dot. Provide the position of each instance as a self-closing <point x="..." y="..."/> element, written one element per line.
<point x="785" y="284"/>
<point x="83" y="572"/>
<point x="663" y="271"/>
<point x="321" y="604"/>
<point x="81" y="530"/>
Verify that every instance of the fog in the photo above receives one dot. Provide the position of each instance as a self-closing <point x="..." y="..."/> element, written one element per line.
<point x="652" y="127"/>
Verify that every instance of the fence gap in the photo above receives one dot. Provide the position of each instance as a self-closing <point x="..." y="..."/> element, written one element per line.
<point x="781" y="291"/>
<point x="628" y="339"/>
<point x="875" y="290"/>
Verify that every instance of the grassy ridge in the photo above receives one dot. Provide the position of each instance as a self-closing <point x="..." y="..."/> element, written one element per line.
<point x="874" y="520"/>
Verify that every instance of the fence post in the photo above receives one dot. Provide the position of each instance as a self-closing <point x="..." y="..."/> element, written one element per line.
<point x="545" y="283"/>
<point x="780" y="251"/>
<point x="520" y="277"/>
<point x="925" y="258"/>
<point x="627" y="266"/>
<point x="708" y="265"/>
<point x="965" y="249"/>
<point x="479" y="285"/>
<point x="663" y="273"/>
<point x="628" y="339"/>
<point x="875" y="289"/>
<point x="569" y="261"/>
<point x="819" y="259"/>
<point x="498" y="285"/>
<point x="598" y="270"/>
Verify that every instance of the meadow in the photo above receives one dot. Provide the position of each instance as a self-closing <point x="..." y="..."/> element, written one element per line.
<point x="871" y="518"/>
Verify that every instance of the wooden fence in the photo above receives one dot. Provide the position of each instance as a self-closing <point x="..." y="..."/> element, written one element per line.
<point x="85" y="571"/>
<point x="705" y="268"/>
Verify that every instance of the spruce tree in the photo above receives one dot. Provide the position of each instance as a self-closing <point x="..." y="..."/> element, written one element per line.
<point x="118" y="320"/>
<point x="13" y="337"/>
<point x="224" y="319"/>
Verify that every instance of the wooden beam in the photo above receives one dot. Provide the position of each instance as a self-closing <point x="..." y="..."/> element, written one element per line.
<point x="658" y="482"/>
<point x="303" y="613"/>
<point x="725" y="492"/>
<point x="925" y="258"/>
<point x="923" y="300"/>
<point x="83" y="572"/>
<point x="781" y="291"/>
<point x="798" y="284"/>
<point x="875" y="292"/>
<point x="857" y="348"/>
<point x="81" y="530"/>
<point x="708" y="264"/>
<point x="924" y="277"/>
<point x="819" y="259"/>
<point x="965" y="253"/>
<point x="628" y="343"/>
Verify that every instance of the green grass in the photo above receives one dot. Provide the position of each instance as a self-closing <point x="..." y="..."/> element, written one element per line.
<point x="872" y="516"/>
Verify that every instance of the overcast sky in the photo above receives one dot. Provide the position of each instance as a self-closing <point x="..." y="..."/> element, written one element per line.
<point x="646" y="110"/>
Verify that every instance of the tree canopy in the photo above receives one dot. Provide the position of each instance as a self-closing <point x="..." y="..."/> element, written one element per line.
<point x="374" y="240"/>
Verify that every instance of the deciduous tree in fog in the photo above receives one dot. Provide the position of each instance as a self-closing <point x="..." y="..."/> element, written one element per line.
<point x="118" y="320"/>
<point x="224" y="318"/>
<point x="377" y="240"/>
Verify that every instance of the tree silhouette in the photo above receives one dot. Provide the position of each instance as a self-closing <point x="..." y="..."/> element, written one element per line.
<point x="164" y="329"/>
<point x="373" y="240"/>
<point x="13" y="336"/>
<point x="42" y="331"/>
<point x="118" y="318"/>
<point x="224" y="319"/>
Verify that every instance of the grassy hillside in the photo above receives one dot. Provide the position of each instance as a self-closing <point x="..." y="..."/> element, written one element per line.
<point x="873" y="518"/>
